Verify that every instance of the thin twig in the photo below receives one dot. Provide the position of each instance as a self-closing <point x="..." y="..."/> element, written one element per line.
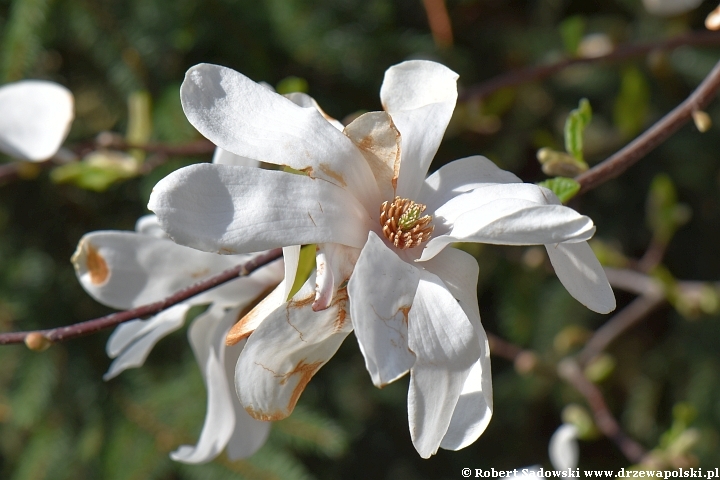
<point x="198" y="147"/>
<point x="61" y="334"/>
<point x="439" y="21"/>
<point x="570" y="371"/>
<point x="531" y="74"/>
<point x="654" y="136"/>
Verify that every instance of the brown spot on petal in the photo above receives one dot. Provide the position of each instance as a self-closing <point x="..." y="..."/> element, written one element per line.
<point x="96" y="266"/>
<point x="247" y="320"/>
<point x="200" y="273"/>
<point x="306" y="372"/>
<point x="325" y="168"/>
<point x="406" y="312"/>
<point x="266" y="417"/>
<point x="226" y="251"/>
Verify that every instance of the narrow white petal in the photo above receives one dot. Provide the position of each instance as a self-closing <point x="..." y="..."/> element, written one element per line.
<point x="420" y="97"/>
<point x="126" y="269"/>
<point x="133" y="345"/>
<point x="149" y="225"/>
<point x="36" y="117"/>
<point x="286" y="350"/>
<point x="207" y="334"/>
<point x="224" y="209"/>
<point x="564" y="451"/>
<point x="580" y="272"/>
<point x="459" y="272"/>
<point x="459" y="177"/>
<point x="335" y="264"/>
<point x="305" y="100"/>
<point x="514" y="222"/>
<point x="248" y="323"/>
<point x="247" y="119"/>
<point x="381" y="291"/>
<point x="446" y="348"/>
<point x="223" y="157"/>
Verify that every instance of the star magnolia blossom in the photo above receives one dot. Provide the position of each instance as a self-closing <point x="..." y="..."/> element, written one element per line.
<point x="36" y="117"/>
<point x="382" y="229"/>
<point x="127" y="269"/>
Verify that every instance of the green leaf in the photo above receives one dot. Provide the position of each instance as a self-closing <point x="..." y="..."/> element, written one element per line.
<point x="292" y="85"/>
<point x="96" y="174"/>
<point x="664" y="214"/>
<point x="631" y="104"/>
<point x="305" y="268"/>
<point x="565" y="188"/>
<point x="572" y="30"/>
<point x="574" y="128"/>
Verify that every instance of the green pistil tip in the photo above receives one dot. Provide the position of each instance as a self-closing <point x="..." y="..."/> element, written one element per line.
<point x="408" y="219"/>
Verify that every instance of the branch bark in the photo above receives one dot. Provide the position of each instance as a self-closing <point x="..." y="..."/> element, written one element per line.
<point x="62" y="334"/>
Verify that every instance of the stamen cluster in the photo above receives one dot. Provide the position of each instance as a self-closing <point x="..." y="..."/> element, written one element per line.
<point x="402" y="224"/>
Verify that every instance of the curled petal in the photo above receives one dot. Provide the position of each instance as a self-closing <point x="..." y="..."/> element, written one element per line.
<point x="245" y="326"/>
<point x="286" y="350"/>
<point x="222" y="209"/>
<point x="36" y="117"/>
<point x="514" y="222"/>
<point x="132" y="342"/>
<point x="305" y="100"/>
<point x="446" y="348"/>
<point x="334" y="266"/>
<point x="461" y="176"/>
<point x="248" y="120"/>
<point x="381" y="290"/>
<point x="420" y="97"/>
<point x="564" y="451"/>
<point x="580" y="272"/>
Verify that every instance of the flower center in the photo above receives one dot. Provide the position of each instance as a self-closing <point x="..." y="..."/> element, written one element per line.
<point x="402" y="224"/>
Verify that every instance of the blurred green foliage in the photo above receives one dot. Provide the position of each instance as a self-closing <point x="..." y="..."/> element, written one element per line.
<point x="59" y="420"/>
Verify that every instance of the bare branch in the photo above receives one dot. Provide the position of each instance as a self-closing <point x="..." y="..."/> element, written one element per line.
<point x="654" y="136"/>
<point x="535" y="73"/>
<point x="570" y="371"/>
<point x="61" y="334"/>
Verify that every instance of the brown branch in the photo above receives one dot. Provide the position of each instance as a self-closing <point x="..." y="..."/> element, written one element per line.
<point x="570" y="371"/>
<point x="61" y="334"/>
<point x="654" y="136"/>
<point x="531" y="74"/>
<point x="198" y="147"/>
<point x="439" y="21"/>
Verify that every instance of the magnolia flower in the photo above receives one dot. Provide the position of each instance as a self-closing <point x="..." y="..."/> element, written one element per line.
<point x="36" y="117"/>
<point x="382" y="230"/>
<point x="563" y="450"/>
<point x="127" y="269"/>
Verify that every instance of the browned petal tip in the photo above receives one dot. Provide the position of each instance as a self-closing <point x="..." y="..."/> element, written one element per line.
<point x="265" y="417"/>
<point x="37" y="342"/>
<point x="238" y="332"/>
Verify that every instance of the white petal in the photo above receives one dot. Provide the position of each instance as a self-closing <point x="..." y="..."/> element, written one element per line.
<point x="286" y="350"/>
<point x="446" y="348"/>
<point x="375" y="135"/>
<point x="206" y="335"/>
<point x="224" y="209"/>
<point x="459" y="177"/>
<point x="564" y="451"/>
<point x="132" y="345"/>
<point x="335" y="264"/>
<point x="223" y="157"/>
<point x="459" y="272"/>
<point x="305" y="100"/>
<point x="36" y="117"/>
<point x="515" y="222"/>
<point x="582" y="275"/>
<point x="246" y="325"/>
<point x="381" y="291"/>
<point x="125" y="270"/>
<point x="226" y="423"/>
<point x="247" y="119"/>
<point x="149" y="225"/>
<point x="420" y="97"/>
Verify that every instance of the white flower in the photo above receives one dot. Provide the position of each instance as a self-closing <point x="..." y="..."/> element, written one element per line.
<point x="128" y="269"/>
<point x="563" y="450"/>
<point x="36" y="117"/>
<point x="413" y="309"/>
